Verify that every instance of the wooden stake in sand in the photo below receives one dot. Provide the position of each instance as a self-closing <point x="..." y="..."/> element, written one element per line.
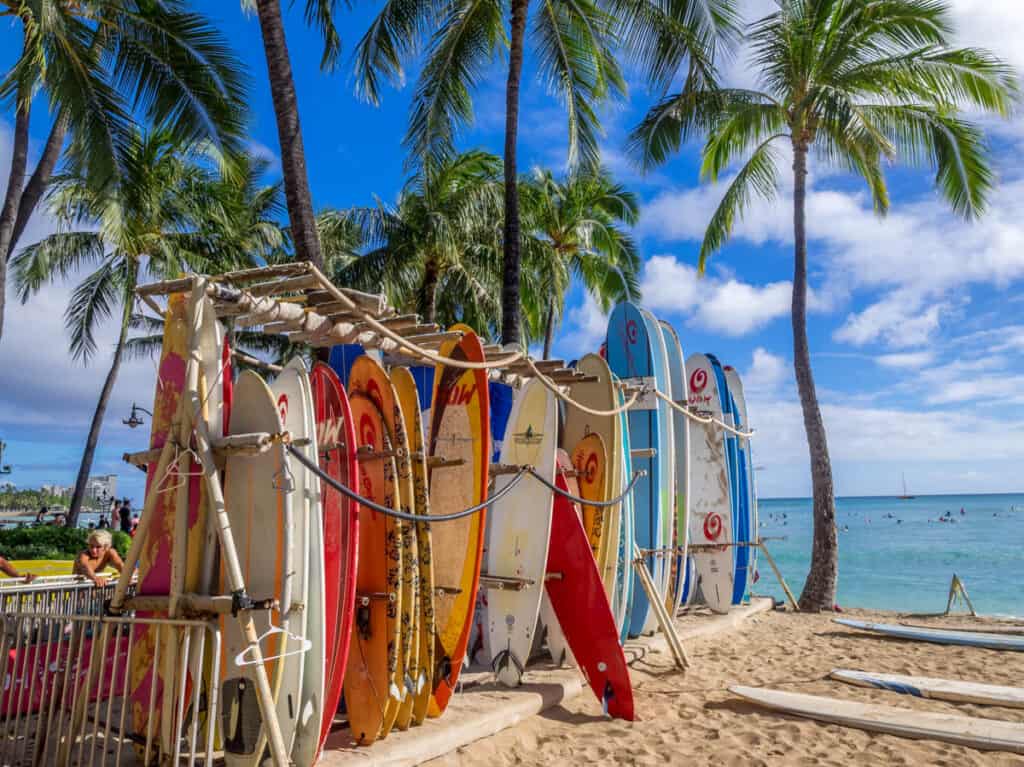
<point x="657" y="601"/>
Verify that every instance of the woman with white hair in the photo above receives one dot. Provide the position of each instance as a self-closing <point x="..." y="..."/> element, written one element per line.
<point x="98" y="555"/>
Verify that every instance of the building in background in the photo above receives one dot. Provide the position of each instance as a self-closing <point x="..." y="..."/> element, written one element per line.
<point x="102" y="487"/>
<point x="61" y="491"/>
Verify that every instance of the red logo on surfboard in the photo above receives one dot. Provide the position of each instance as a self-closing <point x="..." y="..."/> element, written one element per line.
<point x="698" y="380"/>
<point x="631" y="331"/>
<point x="282" y="407"/>
<point x="712" y="526"/>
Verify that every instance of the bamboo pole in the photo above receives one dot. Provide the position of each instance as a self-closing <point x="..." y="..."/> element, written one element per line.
<point x="229" y="557"/>
<point x="778" y="575"/>
<point x="657" y="602"/>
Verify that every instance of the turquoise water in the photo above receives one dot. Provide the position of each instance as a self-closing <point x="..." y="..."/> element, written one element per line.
<point x="905" y="562"/>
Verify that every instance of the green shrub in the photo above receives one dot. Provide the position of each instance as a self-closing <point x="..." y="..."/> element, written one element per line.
<point x="48" y="542"/>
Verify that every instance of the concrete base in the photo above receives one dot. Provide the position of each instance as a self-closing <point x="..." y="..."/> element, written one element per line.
<point x="484" y="707"/>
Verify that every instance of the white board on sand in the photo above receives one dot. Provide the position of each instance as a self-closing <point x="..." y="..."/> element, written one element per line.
<point x="983" y="734"/>
<point x="939" y="636"/>
<point x="933" y="687"/>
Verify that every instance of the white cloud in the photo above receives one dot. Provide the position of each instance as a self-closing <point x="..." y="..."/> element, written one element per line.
<point x="766" y="374"/>
<point x="899" y="319"/>
<point x="906" y="360"/>
<point x="588" y="326"/>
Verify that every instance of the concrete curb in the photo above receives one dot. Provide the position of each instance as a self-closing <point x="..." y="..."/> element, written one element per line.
<point x="484" y="708"/>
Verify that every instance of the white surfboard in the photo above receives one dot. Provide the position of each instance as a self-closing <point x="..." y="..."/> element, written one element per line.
<point x="732" y="379"/>
<point x="932" y="687"/>
<point x="710" y="509"/>
<point x="307" y="733"/>
<point x="984" y="734"/>
<point x="518" y="531"/>
<point x="939" y="636"/>
<point x="681" y="440"/>
<point x="262" y="521"/>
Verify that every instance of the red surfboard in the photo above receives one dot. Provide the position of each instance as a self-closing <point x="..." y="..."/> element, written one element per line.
<point x="581" y="606"/>
<point x="336" y="437"/>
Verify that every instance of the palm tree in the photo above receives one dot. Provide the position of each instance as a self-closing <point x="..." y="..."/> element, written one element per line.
<point x="438" y="241"/>
<point x="98" y="66"/>
<point x="572" y="229"/>
<point x="859" y="83"/>
<point x="319" y="13"/>
<point x="159" y="217"/>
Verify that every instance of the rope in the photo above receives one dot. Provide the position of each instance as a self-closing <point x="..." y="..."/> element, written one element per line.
<point x="553" y="387"/>
<point x="419" y="351"/>
<point x="346" y="491"/>
<point x="702" y="419"/>
<point x="583" y="501"/>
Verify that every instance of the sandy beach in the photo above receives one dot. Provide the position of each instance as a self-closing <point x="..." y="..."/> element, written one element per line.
<point x="692" y="719"/>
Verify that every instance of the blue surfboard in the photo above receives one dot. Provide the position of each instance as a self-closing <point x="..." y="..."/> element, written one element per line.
<point x="630" y="355"/>
<point x="624" y="572"/>
<point x="342" y="357"/>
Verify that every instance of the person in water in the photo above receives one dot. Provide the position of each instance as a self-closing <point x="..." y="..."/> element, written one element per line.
<point x="98" y="555"/>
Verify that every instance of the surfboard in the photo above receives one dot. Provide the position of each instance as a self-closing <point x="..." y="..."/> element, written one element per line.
<point x="367" y="376"/>
<point x="370" y="687"/>
<point x="577" y="597"/>
<point x="983" y="734"/>
<point x="299" y="420"/>
<point x="746" y="465"/>
<point x="630" y="356"/>
<point x="681" y="438"/>
<point x="740" y="554"/>
<point x="931" y="687"/>
<point x="408" y="397"/>
<point x="622" y="602"/>
<point x="602" y="525"/>
<point x="459" y="432"/>
<point x="547" y="619"/>
<point x="156" y="560"/>
<point x="939" y="636"/>
<point x="590" y="462"/>
<point x="263" y="521"/>
<point x="517" y="545"/>
<point x="710" y="502"/>
<point x="336" y="441"/>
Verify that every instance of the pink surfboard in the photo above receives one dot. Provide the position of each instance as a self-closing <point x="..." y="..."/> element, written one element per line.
<point x="581" y="605"/>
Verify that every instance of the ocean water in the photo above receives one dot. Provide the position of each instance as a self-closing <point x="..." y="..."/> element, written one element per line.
<point x="896" y="555"/>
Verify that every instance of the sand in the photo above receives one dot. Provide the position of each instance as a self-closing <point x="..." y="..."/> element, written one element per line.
<point x="692" y="719"/>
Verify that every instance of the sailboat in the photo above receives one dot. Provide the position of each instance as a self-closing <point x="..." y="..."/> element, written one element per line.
<point x="905" y="497"/>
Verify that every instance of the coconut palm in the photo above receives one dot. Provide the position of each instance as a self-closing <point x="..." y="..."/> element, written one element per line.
<point x="860" y="84"/>
<point x="159" y="217"/>
<point x="575" y="44"/>
<point x="98" y="65"/>
<point x="573" y="229"/>
<point x="319" y="13"/>
<point x="437" y="242"/>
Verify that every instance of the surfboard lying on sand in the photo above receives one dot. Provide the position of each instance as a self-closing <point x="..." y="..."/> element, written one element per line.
<point x="939" y="636"/>
<point x="932" y="687"/>
<point x="983" y="734"/>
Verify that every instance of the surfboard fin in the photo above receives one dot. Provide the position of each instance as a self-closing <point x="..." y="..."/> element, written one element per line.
<point x="606" y="697"/>
<point x="503" y="660"/>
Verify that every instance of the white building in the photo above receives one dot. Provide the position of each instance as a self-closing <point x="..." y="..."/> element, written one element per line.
<point x="61" y="491"/>
<point x="102" y="487"/>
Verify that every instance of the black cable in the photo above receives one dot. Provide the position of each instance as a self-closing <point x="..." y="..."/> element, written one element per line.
<point x="599" y="504"/>
<point x="312" y="466"/>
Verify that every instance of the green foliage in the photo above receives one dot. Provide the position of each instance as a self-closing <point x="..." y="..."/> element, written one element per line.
<point x="49" y="542"/>
<point x="29" y="500"/>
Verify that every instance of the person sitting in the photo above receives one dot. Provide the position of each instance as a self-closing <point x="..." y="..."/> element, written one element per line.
<point x="97" y="556"/>
<point x="10" y="570"/>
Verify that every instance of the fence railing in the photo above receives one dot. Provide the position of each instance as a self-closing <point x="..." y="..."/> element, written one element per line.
<point x="75" y="690"/>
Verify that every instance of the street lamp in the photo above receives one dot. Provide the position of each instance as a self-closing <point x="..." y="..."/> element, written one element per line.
<point x="134" y="420"/>
<point x="5" y="468"/>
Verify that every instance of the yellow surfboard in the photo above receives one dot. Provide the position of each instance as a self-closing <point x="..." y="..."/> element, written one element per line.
<point x="590" y="459"/>
<point x="408" y="397"/>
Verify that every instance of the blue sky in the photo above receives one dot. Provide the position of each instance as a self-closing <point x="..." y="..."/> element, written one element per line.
<point x="916" y="324"/>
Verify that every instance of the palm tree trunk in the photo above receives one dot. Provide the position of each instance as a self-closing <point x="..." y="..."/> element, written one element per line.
<point x="428" y="292"/>
<point x="289" y="133"/>
<point x="549" y="329"/>
<point x="15" y="183"/>
<point x="97" y="421"/>
<point x="39" y="180"/>
<point x="510" y="278"/>
<point x="819" y="591"/>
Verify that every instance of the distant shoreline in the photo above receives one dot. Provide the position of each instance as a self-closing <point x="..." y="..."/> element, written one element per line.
<point x="892" y="497"/>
